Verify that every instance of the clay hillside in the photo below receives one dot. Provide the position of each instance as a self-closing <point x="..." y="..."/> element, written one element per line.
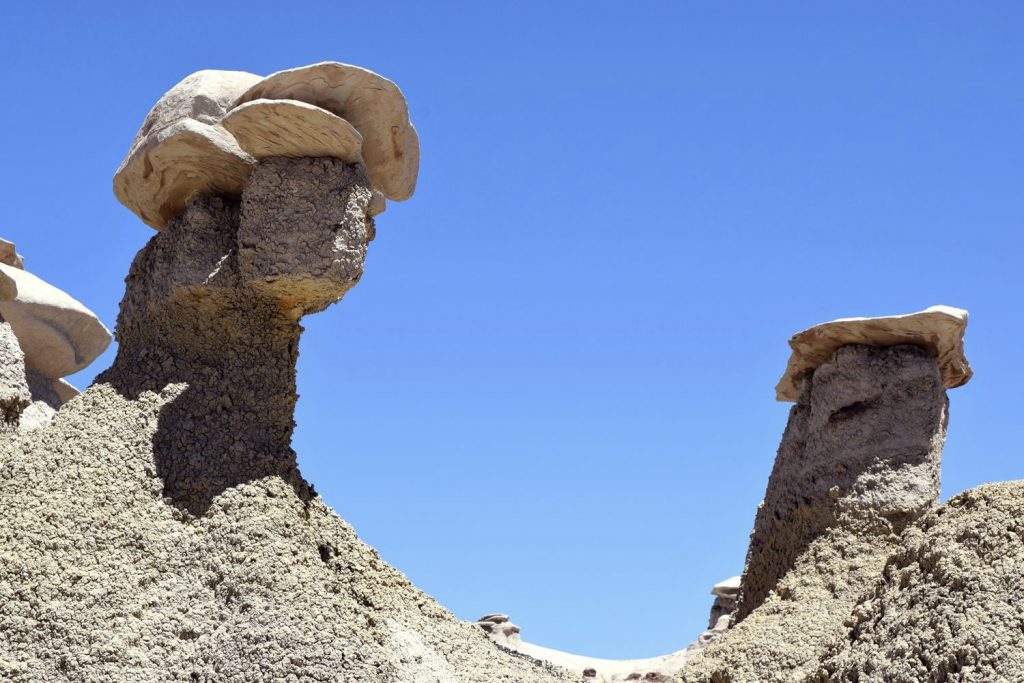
<point x="155" y="527"/>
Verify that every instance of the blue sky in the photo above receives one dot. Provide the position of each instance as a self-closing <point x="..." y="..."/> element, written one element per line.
<point x="552" y="393"/>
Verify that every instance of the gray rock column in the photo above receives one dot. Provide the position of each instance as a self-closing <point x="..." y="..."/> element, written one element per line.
<point x="862" y="448"/>
<point x="213" y="304"/>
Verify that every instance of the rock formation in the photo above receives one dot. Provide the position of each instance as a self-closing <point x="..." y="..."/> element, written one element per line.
<point x="206" y="134"/>
<point x="858" y="465"/>
<point x="158" y="529"/>
<point x="939" y="330"/>
<point x="44" y="335"/>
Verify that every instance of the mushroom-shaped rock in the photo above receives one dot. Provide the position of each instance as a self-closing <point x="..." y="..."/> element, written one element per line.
<point x="939" y="330"/>
<point x="58" y="334"/>
<point x="371" y="103"/>
<point x="182" y="152"/>
<point x="205" y="134"/>
<point x="289" y="128"/>
<point x="8" y="286"/>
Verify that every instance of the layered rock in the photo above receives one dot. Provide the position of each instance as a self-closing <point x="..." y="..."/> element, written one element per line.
<point x="939" y="330"/>
<point x="946" y="607"/>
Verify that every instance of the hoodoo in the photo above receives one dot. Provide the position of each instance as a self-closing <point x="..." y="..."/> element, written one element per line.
<point x="44" y="335"/>
<point x="858" y="465"/>
<point x="158" y="528"/>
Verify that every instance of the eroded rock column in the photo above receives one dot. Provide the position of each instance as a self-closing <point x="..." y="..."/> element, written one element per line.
<point x="212" y="311"/>
<point x="862" y="446"/>
<point x="44" y="335"/>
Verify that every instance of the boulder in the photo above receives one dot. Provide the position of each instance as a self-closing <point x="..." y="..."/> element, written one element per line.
<point x="371" y="103"/>
<point x="58" y="335"/>
<point x="939" y="329"/>
<point x="182" y="152"/>
<point x="205" y="134"/>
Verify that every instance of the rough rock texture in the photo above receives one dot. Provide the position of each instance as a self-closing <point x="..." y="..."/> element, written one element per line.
<point x="948" y="608"/>
<point x="858" y="463"/>
<point x="181" y="152"/>
<point x="158" y="529"/>
<point x="939" y="330"/>
<point x="14" y="392"/>
<point x="28" y="399"/>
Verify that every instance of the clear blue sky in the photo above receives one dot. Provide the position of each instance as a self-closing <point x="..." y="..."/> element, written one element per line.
<point x="551" y="394"/>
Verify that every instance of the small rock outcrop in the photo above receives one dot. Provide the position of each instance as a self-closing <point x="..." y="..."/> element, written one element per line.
<point x="44" y="335"/>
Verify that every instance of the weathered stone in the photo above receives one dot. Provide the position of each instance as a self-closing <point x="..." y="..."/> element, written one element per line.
<point x="14" y="392"/>
<point x="187" y="149"/>
<point x="8" y="287"/>
<point x="182" y="152"/>
<point x="288" y="128"/>
<point x="65" y="391"/>
<point x="312" y="229"/>
<point x="493" y="619"/>
<point x="58" y="335"/>
<point x="371" y="103"/>
<point x="10" y="256"/>
<point x="662" y="668"/>
<point x="939" y="329"/>
<point x="858" y="463"/>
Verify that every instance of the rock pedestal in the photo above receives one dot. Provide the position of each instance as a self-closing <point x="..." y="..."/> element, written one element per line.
<point x="863" y="446"/>
<point x="857" y="466"/>
<point x="44" y="335"/>
<point x="213" y="303"/>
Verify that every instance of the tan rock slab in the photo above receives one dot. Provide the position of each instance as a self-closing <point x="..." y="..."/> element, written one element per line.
<point x="10" y="256"/>
<point x="8" y="286"/>
<point x="64" y="390"/>
<point x="58" y="335"/>
<point x="289" y="128"/>
<point x="182" y="152"/>
<point x="177" y="164"/>
<point x="728" y="588"/>
<point x="939" y="329"/>
<point x="371" y="103"/>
